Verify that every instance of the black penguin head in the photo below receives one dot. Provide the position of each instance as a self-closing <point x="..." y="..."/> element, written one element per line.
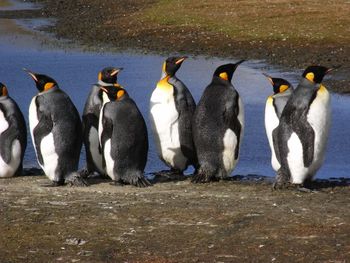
<point x="279" y="85"/>
<point x="3" y="90"/>
<point x="226" y="71"/>
<point x="316" y="73"/>
<point x="43" y="82"/>
<point x="109" y="75"/>
<point x="115" y="92"/>
<point x="172" y="64"/>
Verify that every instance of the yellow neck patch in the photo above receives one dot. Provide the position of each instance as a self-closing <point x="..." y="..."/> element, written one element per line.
<point x="164" y="84"/>
<point x="48" y="86"/>
<point x="164" y="67"/>
<point x="322" y="89"/>
<point x="283" y="88"/>
<point x="120" y="94"/>
<point x="223" y="75"/>
<point x="310" y="76"/>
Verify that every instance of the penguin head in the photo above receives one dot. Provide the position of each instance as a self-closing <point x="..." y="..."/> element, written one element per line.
<point x="3" y="90"/>
<point x="279" y="85"/>
<point x="43" y="82"/>
<point x="115" y="92"/>
<point x="171" y="65"/>
<point x="109" y="75"/>
<point x="316" y="73"/>
<point x="226" y="71"/>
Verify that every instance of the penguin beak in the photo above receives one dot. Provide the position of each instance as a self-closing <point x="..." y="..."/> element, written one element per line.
<point x="104" y="89"/>
<point x="180" y="60"/>
<point x="240" y="62"/>
<point x="331" y="69"/>
<point x="31" y="74"/>
<point x="269" y="78"/>
<point x="116" y="71"/>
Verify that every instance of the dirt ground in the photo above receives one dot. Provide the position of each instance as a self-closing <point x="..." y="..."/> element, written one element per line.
<point x="177" y="221"/>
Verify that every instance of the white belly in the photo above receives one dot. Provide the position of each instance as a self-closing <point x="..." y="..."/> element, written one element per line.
<point x="9" y="169"/>
<point x="109" y="160"/>
<point x="271" y="123"/>
<point x="319" y="117"/>
<point x="33" y="122"/>
<point x="50" y="157"/>
<point x="47" y="147"/>
<point x="228" y="155"/>
<point x="94" y="146"/>
<point x="231" y="142"/>
<point x="165" y="127"/>
<point x="3" y="123"/>
<point x="295" y="160"/>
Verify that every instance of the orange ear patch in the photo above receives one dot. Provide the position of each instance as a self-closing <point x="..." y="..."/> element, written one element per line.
<point x="4" y="91"/>
<point x="99" y="76"/>
<point x="48" y="86"/>
<point x="223" y="75"/>
<point x="283" y="88"/>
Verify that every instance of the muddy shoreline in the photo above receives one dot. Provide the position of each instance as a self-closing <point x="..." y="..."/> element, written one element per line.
<point x="98" y="25"/>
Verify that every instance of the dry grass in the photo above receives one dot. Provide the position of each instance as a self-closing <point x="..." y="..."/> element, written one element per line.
<point x="256" y="19"/>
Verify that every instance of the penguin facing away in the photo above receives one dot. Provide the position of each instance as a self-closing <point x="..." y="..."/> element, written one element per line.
<point x="123" y="138"/>
<point x="218" y="126"/>
<point x="91" y="113"/>
<point x="273" y="110"/>
<point x="171" y="111"/>
<point x="56" y="131"/>
<point x="301" y="137"/>
<point x="13" y="135"/>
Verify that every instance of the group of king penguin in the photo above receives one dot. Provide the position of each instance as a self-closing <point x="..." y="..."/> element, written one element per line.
<point x="206" y="136"/>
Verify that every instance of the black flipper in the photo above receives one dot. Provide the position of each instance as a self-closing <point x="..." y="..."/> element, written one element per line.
<point x="230" y="116"/>
<point x="43" y="128"/>
<point x="6" y="140"/>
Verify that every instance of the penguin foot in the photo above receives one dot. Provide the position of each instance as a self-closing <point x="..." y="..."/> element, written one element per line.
<point x="74" y="179"/>
<point x="282" y="181"/>
<point x="142" y="182"/>
<point x="201" y="178"/>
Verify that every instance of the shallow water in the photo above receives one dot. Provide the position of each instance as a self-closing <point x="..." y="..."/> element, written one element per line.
<point x="76" y="71"/>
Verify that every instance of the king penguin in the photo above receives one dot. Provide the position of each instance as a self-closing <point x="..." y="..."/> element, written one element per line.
<point x="301" y="137"/>
<point x="171" y="111"/>
<point x="91" y="113"/>
<point x="273" y="109"/>
<point x="56" y="131"/>
<point x="218" y="126"/>
<point x="123" y="138"/>
<point x="13" y="135"/>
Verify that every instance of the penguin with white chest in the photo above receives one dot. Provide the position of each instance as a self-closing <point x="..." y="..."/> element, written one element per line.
<point x="123" y="138"/>
<point x="218" y="127"/>
<point x="301" y="137"/>
<point x="56" y="131"/>
<point x="13" y="135"/>
<point x="273" y="110"/>
<point x="91" y="114"/>
<point x="171" y="111"/>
